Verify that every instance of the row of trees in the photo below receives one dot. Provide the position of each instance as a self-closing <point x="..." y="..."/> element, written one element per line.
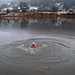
<point x="16" y="7"/>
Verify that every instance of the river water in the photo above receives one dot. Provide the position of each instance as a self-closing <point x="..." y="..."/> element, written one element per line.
<point x="55" y="51"/>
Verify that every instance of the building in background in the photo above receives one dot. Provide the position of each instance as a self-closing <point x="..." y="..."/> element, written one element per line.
<point x="72" y="9"/>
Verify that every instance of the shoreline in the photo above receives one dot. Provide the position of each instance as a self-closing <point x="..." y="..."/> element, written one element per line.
<point x="39" y="15"/>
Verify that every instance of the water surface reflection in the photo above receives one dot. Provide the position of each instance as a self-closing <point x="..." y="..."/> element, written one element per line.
<point x="38" y="25"/>
<point x="55" y="52"/>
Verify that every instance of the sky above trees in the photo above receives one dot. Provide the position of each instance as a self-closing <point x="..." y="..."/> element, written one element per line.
<point x="14" y="0"/>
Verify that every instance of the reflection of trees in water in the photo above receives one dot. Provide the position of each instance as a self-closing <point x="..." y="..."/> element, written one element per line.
<point x="8" y="20"/>
<point x="39" y="23"/>
<point x="59" y="22"/>
<point x="56" y="23"/>
<point x="63" y="23"/>
<point x="0" y="21"/>
<point x="4" y="22"/>
<point x="23" y="23"/>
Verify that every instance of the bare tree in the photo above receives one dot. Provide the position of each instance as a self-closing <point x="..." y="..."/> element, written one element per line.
<point x="23" y="6"/>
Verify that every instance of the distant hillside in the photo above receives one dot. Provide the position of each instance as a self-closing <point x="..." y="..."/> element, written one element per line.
<point x="67" y="3"/>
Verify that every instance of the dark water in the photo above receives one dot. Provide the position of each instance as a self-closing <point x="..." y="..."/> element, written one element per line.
<point x="55" y="51"/>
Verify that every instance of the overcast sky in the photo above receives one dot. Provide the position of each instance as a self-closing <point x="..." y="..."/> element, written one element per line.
<point x="14" y="0"/>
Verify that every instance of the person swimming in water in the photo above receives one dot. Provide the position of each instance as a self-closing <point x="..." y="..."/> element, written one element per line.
<point x="33" y="45"/>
